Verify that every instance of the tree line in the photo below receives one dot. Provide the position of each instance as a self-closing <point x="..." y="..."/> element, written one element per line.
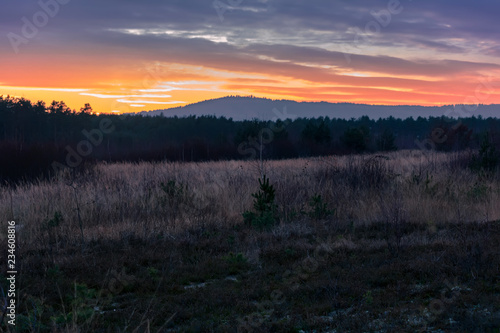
<point x="34" y="136"/>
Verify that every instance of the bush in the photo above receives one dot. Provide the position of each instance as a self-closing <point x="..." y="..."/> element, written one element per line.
<point x="264" y="206"/>
<point x="318" y="208"/>
<point x="237" y="262"/>
<point x="174" y="195"/>
<point x="172" y="189"/>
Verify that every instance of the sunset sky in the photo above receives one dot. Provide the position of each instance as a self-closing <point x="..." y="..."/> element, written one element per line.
<point x="129" y="56"/>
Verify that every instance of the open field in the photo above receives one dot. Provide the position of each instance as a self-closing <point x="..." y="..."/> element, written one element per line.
<point x="401" y="242"/>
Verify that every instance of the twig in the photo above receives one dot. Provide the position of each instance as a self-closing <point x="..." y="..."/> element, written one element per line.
<point x="79" y="216"/>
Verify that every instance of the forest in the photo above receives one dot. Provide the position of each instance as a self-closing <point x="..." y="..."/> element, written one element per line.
<point x="37" y="139"/>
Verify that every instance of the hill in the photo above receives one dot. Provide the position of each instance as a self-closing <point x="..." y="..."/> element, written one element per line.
<point x="242" y="108"/>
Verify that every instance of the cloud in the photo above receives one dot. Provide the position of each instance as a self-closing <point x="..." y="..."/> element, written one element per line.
<point x="44" y="89"/>
<point x="292" y="22"/>
<point x="427" y="45"/>
<point x="126" y="101"/>
<point x="125" y="96"/>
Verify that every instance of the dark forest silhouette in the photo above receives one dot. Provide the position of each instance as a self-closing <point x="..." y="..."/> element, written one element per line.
<point x="34" y="135"/>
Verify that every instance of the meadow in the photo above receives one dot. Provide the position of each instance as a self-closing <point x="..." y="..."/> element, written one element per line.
<point x="404" y="241"/>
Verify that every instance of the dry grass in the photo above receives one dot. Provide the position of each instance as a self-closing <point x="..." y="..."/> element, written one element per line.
<point x="119" y="199"/>
<point x="402" y="220"/>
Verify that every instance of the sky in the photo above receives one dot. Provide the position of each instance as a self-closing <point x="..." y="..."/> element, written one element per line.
<point x="127" y="56"/>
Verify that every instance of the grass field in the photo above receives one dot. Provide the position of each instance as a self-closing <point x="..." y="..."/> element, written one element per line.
<point x="406" y="241"/>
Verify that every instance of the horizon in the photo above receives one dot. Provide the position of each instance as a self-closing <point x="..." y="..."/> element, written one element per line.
<point x="339" y="102"/>
<point x="450" y="112"/>
<point x="248" y="109"/>
<point x="129" y="58"/>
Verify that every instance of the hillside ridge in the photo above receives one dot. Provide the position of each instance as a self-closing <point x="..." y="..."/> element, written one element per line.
<point x="249" y="107"/>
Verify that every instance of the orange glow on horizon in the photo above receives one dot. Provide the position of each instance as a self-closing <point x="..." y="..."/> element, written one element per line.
<point x="127" y="86"/>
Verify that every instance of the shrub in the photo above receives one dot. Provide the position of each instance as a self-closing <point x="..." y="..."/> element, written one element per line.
<point x="81" y="304"/>
<point x="318" y="208"/>
<point x="53" y="222"/>
<point x="172" y="189"/>
<point x="237" y="262"/>
<point x="264" y="206"/>
<point x="175" y="195"/>
<point x="50" y="227"/>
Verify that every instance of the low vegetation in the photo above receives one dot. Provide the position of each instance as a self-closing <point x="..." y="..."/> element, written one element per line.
<point x="406" y="241"/>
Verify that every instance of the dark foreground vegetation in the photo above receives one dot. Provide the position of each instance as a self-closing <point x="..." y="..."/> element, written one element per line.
<point x="403" y="241"/>
<point x="37" y="140"/>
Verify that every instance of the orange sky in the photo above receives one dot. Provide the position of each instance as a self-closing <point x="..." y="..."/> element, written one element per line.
<point x="158" y="85"/>
<point x="139" y="60"/>
<point x="169" y="85"/>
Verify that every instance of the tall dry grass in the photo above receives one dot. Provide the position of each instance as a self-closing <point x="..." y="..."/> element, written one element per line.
<point x="123" y="200"/>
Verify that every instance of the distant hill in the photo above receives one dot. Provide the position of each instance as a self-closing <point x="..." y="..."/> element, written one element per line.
<point x="241" y="108"/>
